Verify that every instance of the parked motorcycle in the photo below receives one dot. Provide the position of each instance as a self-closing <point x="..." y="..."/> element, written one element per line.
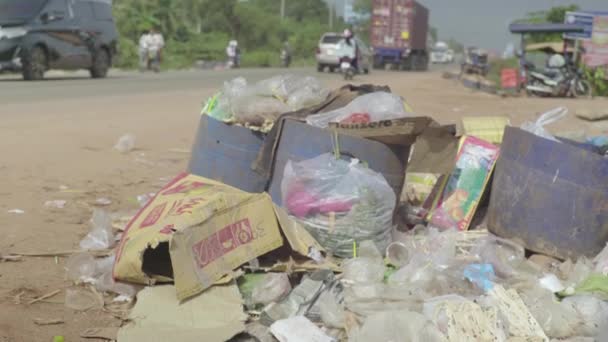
<point x="567" y="81"/>
<point x="347" y="68"/>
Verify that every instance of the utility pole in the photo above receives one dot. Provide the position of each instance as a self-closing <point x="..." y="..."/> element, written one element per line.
<point x="331" y="5"/>
<point x="282" y="9"/>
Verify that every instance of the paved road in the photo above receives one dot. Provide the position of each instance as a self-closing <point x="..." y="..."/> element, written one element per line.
<point x="60" y="85"/>
<point x="71" y="85"/>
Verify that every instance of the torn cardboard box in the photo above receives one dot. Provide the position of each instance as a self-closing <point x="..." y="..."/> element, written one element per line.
<point x="391" y="132"/>
<point x="216" y="315"/>
<point x="195" y="231"/>
<point x="433" y="158"/>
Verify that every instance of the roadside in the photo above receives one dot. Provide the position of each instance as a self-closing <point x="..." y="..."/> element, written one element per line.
<point x="57" y="143"/>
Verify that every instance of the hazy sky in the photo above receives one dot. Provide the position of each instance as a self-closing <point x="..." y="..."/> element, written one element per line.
<point x="485" y="23"/>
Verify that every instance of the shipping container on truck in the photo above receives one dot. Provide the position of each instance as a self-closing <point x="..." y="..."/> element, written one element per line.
<point x="399" y="31"/>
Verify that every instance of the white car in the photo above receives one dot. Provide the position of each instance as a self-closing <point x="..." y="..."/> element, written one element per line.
<point x="327" y="53"/>
<point x="442" y="56"/>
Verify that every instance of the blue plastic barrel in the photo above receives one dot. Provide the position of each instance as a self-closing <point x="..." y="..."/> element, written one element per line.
<point x="550" y="196"/>
<point x="225" y="153"/>
<point x="300" y="141"/>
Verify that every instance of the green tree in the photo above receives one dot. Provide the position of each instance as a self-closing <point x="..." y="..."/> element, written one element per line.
<point x="200" y="29"/>
<point x="555" y="15"/>
<point x="455" y="45"/>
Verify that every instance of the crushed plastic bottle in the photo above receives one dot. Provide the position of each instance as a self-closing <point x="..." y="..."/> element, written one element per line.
<point x="81" y="268"/>
<point x="398" y="254"/>
<point x="504" y="255"/>
<point x="272" y="288"/>
<point x="81" y="299"/>
<point x="126" y="143"/>
<point x="100" y="237"/>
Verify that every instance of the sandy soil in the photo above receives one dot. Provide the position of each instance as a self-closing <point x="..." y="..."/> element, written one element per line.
<point x="50" y="144"/>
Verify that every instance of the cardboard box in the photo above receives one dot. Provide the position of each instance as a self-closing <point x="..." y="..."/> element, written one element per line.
<point x="391" y="132"/>
<point x="195" y="231"/>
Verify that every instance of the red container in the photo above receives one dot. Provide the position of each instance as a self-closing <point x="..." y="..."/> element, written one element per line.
<point x="399" y="24"/>
<point x="508" y="78"/>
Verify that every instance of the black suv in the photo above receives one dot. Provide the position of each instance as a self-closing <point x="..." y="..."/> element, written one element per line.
<point x="38" y="35"/>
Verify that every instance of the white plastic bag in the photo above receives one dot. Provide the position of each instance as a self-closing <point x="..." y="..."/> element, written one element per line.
<point x="371" y="107"/>
<point x="126" y="143"/>
<point x="538" y="127"/>
<point x="339" y="202"/>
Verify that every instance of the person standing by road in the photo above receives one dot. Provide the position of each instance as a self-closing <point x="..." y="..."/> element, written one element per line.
<point x="143" y="50"/>
<point x="157" y="43"/>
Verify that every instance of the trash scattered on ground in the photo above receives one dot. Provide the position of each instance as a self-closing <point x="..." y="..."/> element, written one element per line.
<point x="43" y="297"/>
<point x="10" y="258"/>
<point x="82" y="299"/>
<point x="125" y="144"/>
<point x="51" y="321"/>
<point x="331" y="253"/>
<point x="103" y="201"/>
<point x="56" y="204"/>
<point x="109" y="334"/>
<point x="100" y="237"/>
<point x="16" y="211"/>
<point x="538" y="127"/>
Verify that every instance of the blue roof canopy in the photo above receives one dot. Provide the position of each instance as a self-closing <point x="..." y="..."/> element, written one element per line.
<point x="545" y="28"/>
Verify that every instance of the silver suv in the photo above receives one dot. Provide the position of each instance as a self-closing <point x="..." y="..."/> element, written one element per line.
<point x="327" y="53"/>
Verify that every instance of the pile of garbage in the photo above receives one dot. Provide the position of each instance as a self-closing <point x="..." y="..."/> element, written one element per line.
<point x="258" y="105"/>
<point x="342" y="244"/>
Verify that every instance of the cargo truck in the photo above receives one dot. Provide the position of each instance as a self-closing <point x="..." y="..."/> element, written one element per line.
<point x="399" y="30"/>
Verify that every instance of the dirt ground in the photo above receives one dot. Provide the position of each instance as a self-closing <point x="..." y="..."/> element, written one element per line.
<point x="61" y="149"/>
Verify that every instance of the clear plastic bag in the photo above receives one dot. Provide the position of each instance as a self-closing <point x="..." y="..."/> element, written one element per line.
<point x="257" y="110"/>
<point x="504" y="255"/>
<point x="100" y="236"/>
<point x="363" y="270"/>
<point x="339" y="202"/>
<point x="592" y="314"/>
<point x="538" y="127"/>
<point x="126" y="143"/>
<point x="81" y="268"/>
<point x="272" y="288"/>
<point x="263" y="102"/>
<point x="332" y="312"/>
<point x="371" y="107"/>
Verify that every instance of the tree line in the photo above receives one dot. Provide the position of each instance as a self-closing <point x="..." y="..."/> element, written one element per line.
<point x="200" y="29"/>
